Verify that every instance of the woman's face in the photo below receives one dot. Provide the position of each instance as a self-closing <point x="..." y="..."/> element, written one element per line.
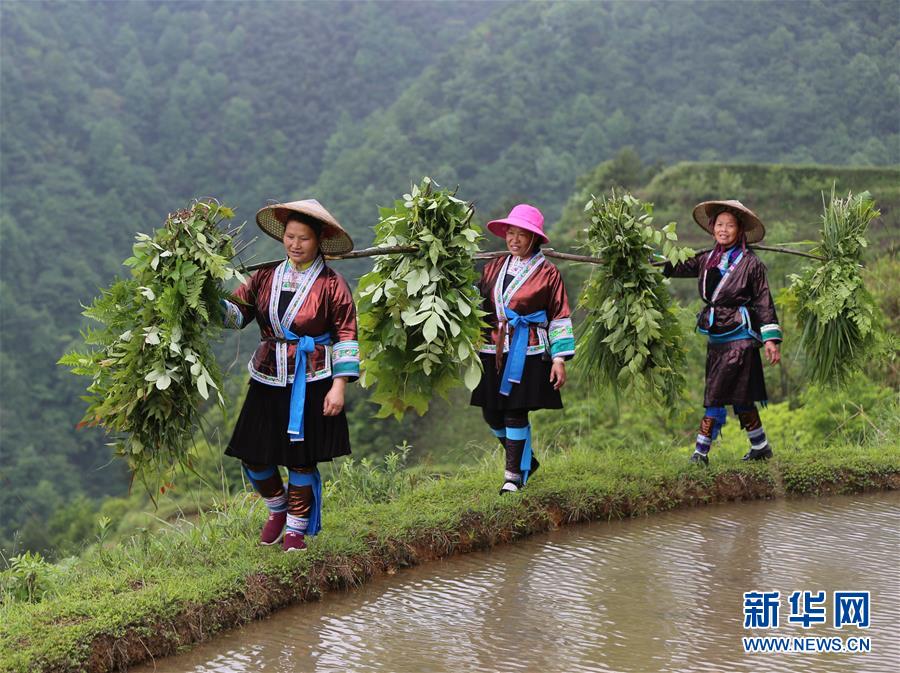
<point x="300" y="242"/>
<point x="518" y="240"/>
<point x="726" y="229"/>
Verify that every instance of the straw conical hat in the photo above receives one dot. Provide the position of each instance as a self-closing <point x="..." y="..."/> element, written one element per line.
<point x="334" y="239"/>
<point x="754" y="229"/>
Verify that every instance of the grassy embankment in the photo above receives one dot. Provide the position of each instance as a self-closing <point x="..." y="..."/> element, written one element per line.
<point x="159" y="592"/>
<point x="155" y="591"/>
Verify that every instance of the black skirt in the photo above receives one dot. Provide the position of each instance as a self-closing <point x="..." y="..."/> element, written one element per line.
<point x="260" y="434"/>
<point x="734" y="374"/>
<point x="534" y="392"/>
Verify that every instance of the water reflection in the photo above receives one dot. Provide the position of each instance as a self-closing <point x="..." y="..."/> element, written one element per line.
<point x="657" y="594"/>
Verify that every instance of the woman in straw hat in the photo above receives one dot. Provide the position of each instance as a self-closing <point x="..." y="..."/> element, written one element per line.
<point x="529" y="340"/>
<point x="293" y="414"/>
<point x="738" y="317"/>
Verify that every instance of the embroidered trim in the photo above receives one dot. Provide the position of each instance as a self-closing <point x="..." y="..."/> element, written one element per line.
<point x="562" y="348"/>
<point x="306" y="282"/>
<point x="562" y="337"/>
<point x="771" y="332"/>
<point x="503" y="295"/>
<point x="346" y="358"/>
<point x="725" y="278"/>
<point x="534" y="349"/>
<point x="306" y="279"/>
<point x="322" y="373"/>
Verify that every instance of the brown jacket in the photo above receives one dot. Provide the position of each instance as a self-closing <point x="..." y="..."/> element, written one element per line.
<point x="323" y="304"/>
<point x="538" y="287"/>
<point x="744" y="284"/>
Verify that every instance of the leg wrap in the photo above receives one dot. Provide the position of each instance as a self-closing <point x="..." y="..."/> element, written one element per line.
<point x="516" y="433"/>
<point x="751" y="422"/>
<point x="710" y="428"/>
<point x="267" y="482"/>
<point x="304" y="500"/>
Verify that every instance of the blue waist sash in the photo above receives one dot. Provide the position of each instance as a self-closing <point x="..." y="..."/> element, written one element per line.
<point x="518" y="346"/>
<point x="742" y="331"/>
<point x="305" y="345"/>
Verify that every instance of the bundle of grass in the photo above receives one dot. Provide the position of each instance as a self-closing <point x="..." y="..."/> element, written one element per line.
<point x="151" y="364"/>
<point x="842" y="327"/>
<point x="419" y="322"/>
<point x="630" y="335"/>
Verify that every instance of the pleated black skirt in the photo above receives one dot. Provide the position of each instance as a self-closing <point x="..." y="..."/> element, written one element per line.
<point x="260" y="434"/>
<point x="534" y="392"/>
<point x="734" y="374"/>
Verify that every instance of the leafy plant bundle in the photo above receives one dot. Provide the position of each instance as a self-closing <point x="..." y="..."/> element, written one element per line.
<point x="151" y="365"/>
<point x="842" y="327"/>
<point x="419" y="318"/>
<point x="631" y="332"/>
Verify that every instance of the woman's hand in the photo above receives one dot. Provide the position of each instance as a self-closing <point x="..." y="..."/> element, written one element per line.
<point x="773" y="353"/>
<point x="334" y="400"/>
<point x="558" y="373"/>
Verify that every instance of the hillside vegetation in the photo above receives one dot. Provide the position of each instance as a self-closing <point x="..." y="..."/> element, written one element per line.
<point x="114" y="114"/>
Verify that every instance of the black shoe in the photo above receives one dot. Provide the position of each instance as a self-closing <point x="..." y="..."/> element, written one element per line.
<point x="509" y="487"/>
<point x="700" y="458"/>
<point x="758" y="454"/>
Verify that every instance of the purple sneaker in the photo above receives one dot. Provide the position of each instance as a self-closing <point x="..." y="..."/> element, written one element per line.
<point x="271" y="532"/>
<point x="293" y="541"/>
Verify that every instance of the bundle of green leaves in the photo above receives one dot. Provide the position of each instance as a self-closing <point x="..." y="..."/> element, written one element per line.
<point x="419" y="317"/>
<point x="151" y="363"/>
<point x="842" y="326"/>
<point x="630" y="338"/>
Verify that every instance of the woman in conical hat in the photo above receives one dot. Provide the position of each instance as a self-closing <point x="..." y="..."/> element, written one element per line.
<point x="738" y="319"/>
<point x="293" y="414"/>
<point x="528" y="342"/>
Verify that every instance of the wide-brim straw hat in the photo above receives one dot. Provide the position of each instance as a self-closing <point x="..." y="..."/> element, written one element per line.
<point x="523" y="216"/>
<point x="752" y="226"/>
<point x="334" y="239"/>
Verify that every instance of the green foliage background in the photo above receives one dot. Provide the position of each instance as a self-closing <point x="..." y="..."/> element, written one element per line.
<point x="113" y="114"/>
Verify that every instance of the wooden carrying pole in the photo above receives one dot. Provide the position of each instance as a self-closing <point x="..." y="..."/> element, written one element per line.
<point x="548" y="252"/>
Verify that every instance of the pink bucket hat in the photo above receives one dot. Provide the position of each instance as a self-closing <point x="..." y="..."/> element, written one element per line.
<point x="523" y="216"/>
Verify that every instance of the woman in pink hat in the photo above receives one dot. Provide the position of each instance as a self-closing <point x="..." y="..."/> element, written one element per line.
<point x="529" y="340"/>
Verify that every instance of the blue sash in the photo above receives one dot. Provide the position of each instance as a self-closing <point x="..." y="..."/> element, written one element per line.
<point x="313" y="479"/>
<point x="742" y="331"/>
<point x="518" y="347"/>
<point x="305" y="345"/>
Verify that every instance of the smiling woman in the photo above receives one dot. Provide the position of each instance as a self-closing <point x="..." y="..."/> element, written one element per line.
<point x="293" y="414"/>
<point x="738" y="317"/>
<point x="528" y="340"/>
<point x="301" y="240"/>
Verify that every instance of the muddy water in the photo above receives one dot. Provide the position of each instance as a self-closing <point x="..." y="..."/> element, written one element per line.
<point x="664" y="593"/>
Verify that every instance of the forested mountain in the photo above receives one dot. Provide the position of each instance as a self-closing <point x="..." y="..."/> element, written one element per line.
<point x="115" y="113"/>
<point x="541" y="92"/>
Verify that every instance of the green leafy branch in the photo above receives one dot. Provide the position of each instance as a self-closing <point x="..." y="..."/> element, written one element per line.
<point x="631" y="331"/>
<point x="842" y="327"/>
<point x="419" y="322"/>
<point x="151" y="364"/>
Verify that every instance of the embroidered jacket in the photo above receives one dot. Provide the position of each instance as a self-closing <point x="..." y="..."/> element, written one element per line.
<point x="743" y="292"/>
<point x="321" y="304"/>
<point x="536" y="285"/>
